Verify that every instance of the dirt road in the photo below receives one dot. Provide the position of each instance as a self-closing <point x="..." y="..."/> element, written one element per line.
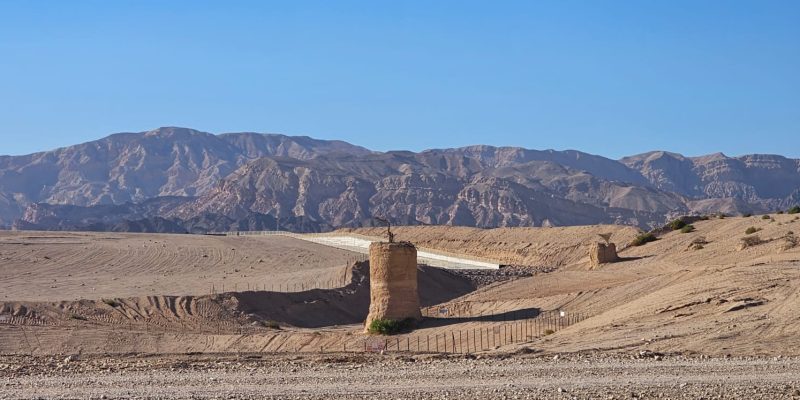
<point x="402" y="377"/>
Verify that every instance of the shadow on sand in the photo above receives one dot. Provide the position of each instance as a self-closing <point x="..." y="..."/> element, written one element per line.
<point x="317" y="308"/>
<point x="509" y="316"/>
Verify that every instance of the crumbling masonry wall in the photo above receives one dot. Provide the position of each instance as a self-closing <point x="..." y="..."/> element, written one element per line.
<point x="393" y="282"/>
<point x="601" y="253"/>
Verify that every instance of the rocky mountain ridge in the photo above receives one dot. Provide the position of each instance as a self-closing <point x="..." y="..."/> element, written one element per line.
<point x="204" y="182"/>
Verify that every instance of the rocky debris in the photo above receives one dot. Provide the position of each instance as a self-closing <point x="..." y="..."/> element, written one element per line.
<point x="344" y="376"/>
<point x="650" y="355"/>
<point x="698" y="243"/>
<point x="71" y="358"/>
<point x="484" y="277"/>
<point x="789" y="241"/>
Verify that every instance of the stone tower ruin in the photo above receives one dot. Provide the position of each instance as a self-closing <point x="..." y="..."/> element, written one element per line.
<point x="393" y="282"/>
<point x="602" y="253"/>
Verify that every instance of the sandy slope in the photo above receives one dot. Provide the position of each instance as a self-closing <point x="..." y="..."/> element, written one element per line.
<point x="50" y="266"/>
<point x="667" y="297"/>
<point x="519" y="246"/>
<point x="664" y="296"/>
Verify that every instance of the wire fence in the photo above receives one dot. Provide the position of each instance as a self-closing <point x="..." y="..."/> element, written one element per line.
<point x="435" y="335"/>
<point x="290" y="283"/>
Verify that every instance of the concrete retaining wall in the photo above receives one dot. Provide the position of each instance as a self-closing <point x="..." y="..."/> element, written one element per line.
<point x="360" y="244"/>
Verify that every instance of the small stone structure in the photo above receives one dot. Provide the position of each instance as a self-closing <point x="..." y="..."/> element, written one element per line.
<point x="393" y="282"/>
<point x="601" y="253"/>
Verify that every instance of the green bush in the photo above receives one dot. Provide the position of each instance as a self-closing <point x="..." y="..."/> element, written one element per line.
<point x="677" y="224"/>
<point x="794" y="210"/>
<point x="751" y="230"/>
<point x="643" y="238"/>
<point x="687" y="229"/>
<point x="388" y="326"/>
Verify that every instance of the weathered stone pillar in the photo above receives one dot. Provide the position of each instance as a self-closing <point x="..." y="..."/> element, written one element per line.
<point x="393" y="282"/>
<point x="601" y="253"/>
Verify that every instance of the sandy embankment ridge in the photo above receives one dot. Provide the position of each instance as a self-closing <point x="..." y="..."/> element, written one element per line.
<point x="665" y="296"/>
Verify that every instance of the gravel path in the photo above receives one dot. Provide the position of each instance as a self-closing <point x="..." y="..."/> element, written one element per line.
<point x="401" y="377"/>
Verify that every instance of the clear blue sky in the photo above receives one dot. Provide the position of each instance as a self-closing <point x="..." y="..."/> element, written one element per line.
<point x="606" y="77"/>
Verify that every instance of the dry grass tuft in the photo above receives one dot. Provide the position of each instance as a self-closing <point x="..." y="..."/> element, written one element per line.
<point x="750" y="241"/>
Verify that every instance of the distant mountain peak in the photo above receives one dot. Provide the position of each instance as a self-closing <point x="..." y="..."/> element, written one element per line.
<point x="250" y="178"/>
<point x="174" y="132"/>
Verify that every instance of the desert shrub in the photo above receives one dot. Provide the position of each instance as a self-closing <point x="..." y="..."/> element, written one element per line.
<point x="643" y="239"/>
<point x="765" y="216"/>
<point x="750" y="241"/>
<point x="549" y="331"/>
<point x="705" y="218"/>
<point x="687" y="228"/>
<point x="746" y="215"/>
<point x="751" y="230"/>
<point x="271" y="324"/>
<point x="111" y="302"/>
<point x="698" y="243"/>
<point x="780" y="212"/>
<point x="794" y="210"/>
<point x="790" y="241"/>
<point x="721" y="215"/>
<point x="78" y="317"/>
<point x="676" y="224"/>
<point x="388" y="326"/>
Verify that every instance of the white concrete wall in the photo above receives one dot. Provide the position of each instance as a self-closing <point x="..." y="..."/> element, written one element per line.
<point x="360" y="244"/>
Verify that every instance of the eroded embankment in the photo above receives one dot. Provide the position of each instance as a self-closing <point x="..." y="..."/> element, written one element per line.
<point x="306" y="309"/>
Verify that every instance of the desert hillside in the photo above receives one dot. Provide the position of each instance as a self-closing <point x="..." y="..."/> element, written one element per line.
<point x="714" y="290"/>
<point x="706" y="291"/>
<point x="533" y="247"/>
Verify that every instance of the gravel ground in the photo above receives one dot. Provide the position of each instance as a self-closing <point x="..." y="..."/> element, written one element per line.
<point x="521" y="376"/>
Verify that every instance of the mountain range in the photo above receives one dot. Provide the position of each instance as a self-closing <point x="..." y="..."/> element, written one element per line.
<point x="182" y="180"/>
